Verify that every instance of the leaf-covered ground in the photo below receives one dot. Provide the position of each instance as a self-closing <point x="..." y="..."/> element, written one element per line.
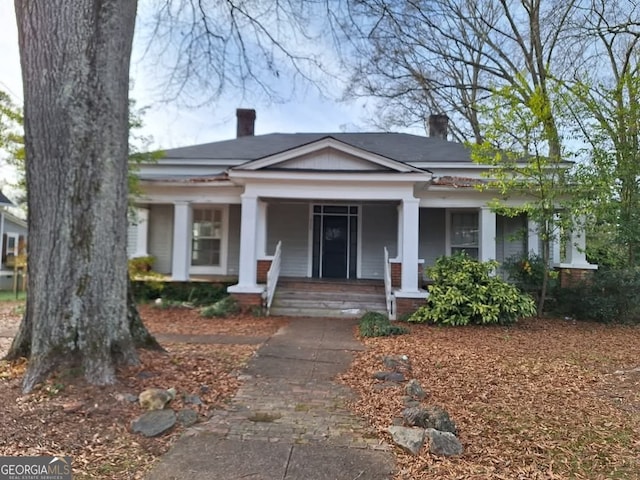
<point x="544" y="399"/>
<point x="92" y="424"/>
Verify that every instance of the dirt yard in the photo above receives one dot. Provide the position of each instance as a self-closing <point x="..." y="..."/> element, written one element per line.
<point x="92" y="424"/>
<point x="544" y="399"/>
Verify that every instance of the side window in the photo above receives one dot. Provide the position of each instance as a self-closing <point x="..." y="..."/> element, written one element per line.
<point x="464" y="233"/>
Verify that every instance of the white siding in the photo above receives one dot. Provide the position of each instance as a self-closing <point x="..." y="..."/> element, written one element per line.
<point x="379" y="230"/>
<point x="432" y="235"/>
<point x="329" y="159"/>
<point x="132" y="239"/>
<point x="290" y="223"/>
<point x="161" y="237"/>
<point x="13" y="227"/>
<point x="233" y="252"/>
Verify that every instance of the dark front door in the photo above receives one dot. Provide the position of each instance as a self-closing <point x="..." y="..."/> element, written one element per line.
<point x="335" y="245"/>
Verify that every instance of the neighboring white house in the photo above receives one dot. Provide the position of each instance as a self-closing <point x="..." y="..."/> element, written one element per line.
<point x="335" y="201"/>
<point x="13" y="235"/>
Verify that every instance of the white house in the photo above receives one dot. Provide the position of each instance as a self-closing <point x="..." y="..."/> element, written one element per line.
<point x="13" y="234"/>
<point x="339" y="204"/>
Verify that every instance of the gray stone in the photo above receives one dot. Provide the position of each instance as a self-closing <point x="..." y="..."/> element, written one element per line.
<point x="445" y="444"/>
<point x="414" y="390"/>
<point x="383" y="386"/>
<point x="440" y="420"/>
<point x="397" y="363"/>
<point x="380" y="375"/>
<point x="416" y="417"/>
<point x="154" y="422"/>
<point x="192" y="399"/>
<point x="429" y="417"/>
<point x="127" y="397"/>
<point x="187" y="417"/>
<point x="409" y="439"/>
<point x="410" y="402"/>
<point x="395" y="377"/>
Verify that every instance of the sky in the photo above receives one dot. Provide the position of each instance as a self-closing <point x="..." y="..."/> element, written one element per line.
<point x="172" y="126"/>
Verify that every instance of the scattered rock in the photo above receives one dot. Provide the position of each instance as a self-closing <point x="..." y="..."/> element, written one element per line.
<point x="443" y="443"/>
<point x="383" y="386"/>
<point x="440" y="420"/>
<point x="126" y="397"/>
<point x="409" y="439"/>
<point x="416" y="417"/>
<point x="414" y="390"/>
<point x="397" y="363"/>
<point x="397" y="421"/>
<point x="192" y="399"/>
<point x="187" y="417"/>
<point x="156" y="398"/>
<point x="154" y="422"/>
<point x="144" y="375"/>
<point x="204" y="388"/>
<point x="410" y="402"/>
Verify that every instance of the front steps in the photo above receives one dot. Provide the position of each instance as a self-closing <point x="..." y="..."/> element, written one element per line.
<point x="304" y="297"/>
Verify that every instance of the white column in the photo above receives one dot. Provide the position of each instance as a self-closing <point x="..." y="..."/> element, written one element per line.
<point x="576" y="254"/>
<point x="181" y="241"/>
<point x="400" y="236"/>
<point x="142" y="232"/>
<point x="247" y="267"/>
<point x="487" y="234"/>
<point x="533" y="237"/>
<point x="410" y="234"/>
<point x="261" y="230"/>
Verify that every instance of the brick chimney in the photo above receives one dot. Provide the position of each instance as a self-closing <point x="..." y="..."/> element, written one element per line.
<point x="438" y="126"/>
<point x="246" y="122"/>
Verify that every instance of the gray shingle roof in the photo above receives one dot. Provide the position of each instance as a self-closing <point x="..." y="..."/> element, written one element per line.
<point x="4" y="200"/>
<point x="401" y="147"/>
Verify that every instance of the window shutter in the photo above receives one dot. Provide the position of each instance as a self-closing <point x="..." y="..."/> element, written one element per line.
<point x="4" y="247"/>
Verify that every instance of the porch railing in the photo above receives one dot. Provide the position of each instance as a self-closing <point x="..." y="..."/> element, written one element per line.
<point x="272" y="276"/>
<point x="387" y="286"/>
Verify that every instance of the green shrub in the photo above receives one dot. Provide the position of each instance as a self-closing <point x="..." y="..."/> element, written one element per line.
<point x="222" y="308"/>
<point x="140" y="265"/>
<point x="374" y="324"/>
<point x="610" y="296"/>
<point x="465" y="292"/>
<point x="195" y="293"/>
<point x="527" y="272"/>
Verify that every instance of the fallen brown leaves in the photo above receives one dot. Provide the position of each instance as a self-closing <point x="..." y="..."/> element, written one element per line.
<point x="66" y="416"/>
<point x="544" y="399"/>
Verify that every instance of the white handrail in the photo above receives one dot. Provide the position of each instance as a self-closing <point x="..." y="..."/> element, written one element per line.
<point x="387" y="286"/>
<point x="273" y="274"/>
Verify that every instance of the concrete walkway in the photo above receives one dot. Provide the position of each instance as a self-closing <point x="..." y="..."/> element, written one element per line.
<point x="288" y="421"/>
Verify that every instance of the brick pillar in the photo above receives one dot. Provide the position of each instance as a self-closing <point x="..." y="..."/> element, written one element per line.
<point x="572" y="277"/>
<point x="263" y="269"/>
<point x="396" y="274"/>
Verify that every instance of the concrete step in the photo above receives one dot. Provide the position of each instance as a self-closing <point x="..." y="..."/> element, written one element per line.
<point x="320" y="312"/>
<point x="335" y="302"/>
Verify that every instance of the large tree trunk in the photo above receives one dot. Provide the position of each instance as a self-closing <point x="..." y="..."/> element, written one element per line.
<point x="21" y="345"/>
<point x="75" y="66"/>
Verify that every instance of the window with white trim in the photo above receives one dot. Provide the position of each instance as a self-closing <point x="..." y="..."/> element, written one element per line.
<point x="464" y="233"/>
<point x="206" y="237"/>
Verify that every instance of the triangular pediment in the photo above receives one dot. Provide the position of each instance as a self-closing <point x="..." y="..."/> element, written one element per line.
<point x="328" y="155"/>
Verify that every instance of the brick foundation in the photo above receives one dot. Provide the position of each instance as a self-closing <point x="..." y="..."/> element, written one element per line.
<point x="262" y="270"/>
<point x="248" y="301"/>
<point x="405" y="306"/>
<point x="572" y="277"/>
